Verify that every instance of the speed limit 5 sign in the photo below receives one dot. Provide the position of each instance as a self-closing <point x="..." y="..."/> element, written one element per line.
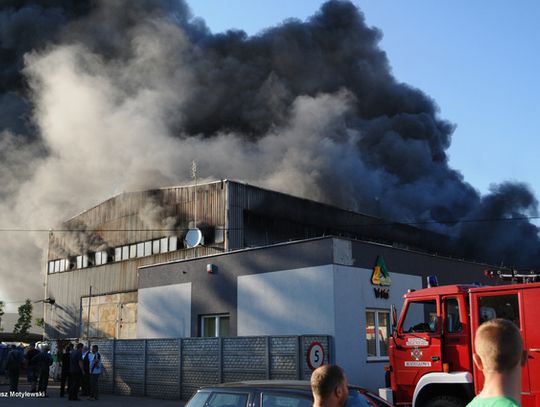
<point x="315" y="355"/>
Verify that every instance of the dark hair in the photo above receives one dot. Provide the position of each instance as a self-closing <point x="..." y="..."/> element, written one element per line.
<point x="80" y="345"/>
<point x="325" y="379"/>
<point x="95" y="346"/>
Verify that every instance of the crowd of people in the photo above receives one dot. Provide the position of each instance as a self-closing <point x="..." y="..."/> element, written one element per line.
<point x="80" y="369"/>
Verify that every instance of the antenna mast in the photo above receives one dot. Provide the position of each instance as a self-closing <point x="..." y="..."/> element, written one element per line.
<point x="194" y="175"/>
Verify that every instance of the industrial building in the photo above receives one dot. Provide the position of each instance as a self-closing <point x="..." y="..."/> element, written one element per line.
<point x="230" y="259"/>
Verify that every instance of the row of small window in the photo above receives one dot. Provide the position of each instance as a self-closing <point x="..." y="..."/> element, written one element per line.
<point x="143" y="249"/>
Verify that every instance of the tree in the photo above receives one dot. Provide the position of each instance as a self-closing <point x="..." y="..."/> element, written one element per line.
<point x="25" y="320"/>
<point x="1" y="314"/>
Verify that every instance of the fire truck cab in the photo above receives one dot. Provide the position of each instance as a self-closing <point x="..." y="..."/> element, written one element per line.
<point x="431" y="346"/>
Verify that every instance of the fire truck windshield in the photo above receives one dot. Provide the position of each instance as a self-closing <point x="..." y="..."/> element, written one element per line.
<point x="421" y="316"/>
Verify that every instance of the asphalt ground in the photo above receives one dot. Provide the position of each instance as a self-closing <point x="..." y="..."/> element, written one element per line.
<point x="54" y="399"/>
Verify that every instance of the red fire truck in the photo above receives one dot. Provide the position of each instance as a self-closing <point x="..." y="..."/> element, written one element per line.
<point x="430" y="349"/>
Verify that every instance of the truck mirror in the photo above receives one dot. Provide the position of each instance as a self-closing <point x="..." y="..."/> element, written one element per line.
<point x="394" y="317"/>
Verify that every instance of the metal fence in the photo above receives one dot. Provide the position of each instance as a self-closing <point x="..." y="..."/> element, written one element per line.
<point x="176" y="368"/>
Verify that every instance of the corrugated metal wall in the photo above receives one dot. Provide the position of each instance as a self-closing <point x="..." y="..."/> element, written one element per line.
<point x="260" y="217"/>
<point x="139" y="216"/>
<point x="126" y="219"/>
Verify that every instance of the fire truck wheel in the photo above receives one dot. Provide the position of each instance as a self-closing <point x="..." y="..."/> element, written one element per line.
<point x="445" y="401"/>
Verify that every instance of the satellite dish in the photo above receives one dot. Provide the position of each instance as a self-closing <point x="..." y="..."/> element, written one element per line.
<point x="193" y="238"/>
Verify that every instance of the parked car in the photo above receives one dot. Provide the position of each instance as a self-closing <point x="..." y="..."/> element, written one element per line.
<point x="274" y="393"/>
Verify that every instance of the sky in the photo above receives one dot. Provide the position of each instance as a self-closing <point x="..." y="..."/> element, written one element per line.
<point x="477" y="60"/>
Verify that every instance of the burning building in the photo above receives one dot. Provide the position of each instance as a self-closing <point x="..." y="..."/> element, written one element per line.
<point x="94" y="260"/>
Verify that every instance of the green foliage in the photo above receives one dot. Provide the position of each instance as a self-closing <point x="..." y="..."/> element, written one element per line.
<point x="40" y="322"/>
<point x="25" y="320"/>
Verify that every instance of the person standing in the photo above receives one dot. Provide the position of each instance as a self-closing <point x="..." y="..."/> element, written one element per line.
<point x="32" y="370"/>
<point x="499" y="354"/>
<point x="75" y="371"/>
<point x="329" y="386"/>
<point x="85" y="378"/>
<point x="43" y="362"/>
<point x="13" y="367"/>
<point x="95" y="371"/>
<point x="64" y="362"/>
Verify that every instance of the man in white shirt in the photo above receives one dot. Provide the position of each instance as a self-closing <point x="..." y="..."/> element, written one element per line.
<point x="95" y="370"/>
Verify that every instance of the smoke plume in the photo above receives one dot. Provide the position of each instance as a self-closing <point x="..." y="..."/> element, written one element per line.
<point x="99" y="97"/>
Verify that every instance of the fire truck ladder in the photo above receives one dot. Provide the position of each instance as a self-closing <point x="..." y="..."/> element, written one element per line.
<point x="514" y="276"/>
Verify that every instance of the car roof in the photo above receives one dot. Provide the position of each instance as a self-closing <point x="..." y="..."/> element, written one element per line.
<point x="269" y="384"/>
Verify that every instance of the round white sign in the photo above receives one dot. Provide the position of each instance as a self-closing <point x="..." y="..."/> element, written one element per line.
<point x="315" y="355"/>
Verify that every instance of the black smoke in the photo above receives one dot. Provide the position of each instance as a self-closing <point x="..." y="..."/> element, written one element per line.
<point x="314" y="104"/>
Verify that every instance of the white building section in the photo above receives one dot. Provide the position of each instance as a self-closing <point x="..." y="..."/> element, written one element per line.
<point x="164" y="312"/>
<point x="288" y="302"/>
<point x="325" y="300"/>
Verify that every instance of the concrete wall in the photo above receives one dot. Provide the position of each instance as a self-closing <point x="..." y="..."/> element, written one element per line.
<point x="216" y="293"/>
<point x="164" y="312"/>
<point x="176" y="368"/>
<point x="289" y="302"/>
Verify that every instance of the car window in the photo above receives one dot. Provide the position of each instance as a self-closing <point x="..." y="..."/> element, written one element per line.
<point x="218" y="399"/>
<point x="198" y="399"/>
<point x="285" y="400"/>
<point x="356" y="399"/>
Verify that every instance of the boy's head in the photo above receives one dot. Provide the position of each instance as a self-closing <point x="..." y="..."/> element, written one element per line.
<point x="498" y="346"/>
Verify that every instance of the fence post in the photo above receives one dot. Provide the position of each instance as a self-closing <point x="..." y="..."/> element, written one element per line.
<point x="145" y="366"/>
<point x="268" y="359"/>
<point x="298" y="350"/>
<point x="180" y="367"/>
<point x="220" y="359"/>
<point x="113" y="365"/>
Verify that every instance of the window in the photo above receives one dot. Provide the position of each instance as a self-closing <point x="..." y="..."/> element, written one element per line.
<point x="155" y="247"/>
<point x="285" y="400"/>
<point x="164" y="245"/>
<point x="132" y="251"/>
<point x="377" y="333"/>
<point x="125" y="252"/>
<point x="499" y="306"/>
<point x="101" y="258"/>
<point x="227" y="399"/>
<point x="51" y="267"/>
<point x="451" y="315"/>
<point x="421" y="317"/>
<point x="148" y="248"/>
<point x="117" y="253"/>
<point x="140" y="249"/>
<point x="173" y="243"/>
<point x="219" y="235"/>
<point x="214" y="325"/>
<point x="358" y="399"/>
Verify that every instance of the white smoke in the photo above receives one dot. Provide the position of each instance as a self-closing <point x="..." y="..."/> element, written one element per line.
<point x="106" y="128"/>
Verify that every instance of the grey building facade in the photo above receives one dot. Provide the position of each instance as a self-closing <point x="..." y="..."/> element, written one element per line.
<point x="321" y="286"/>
